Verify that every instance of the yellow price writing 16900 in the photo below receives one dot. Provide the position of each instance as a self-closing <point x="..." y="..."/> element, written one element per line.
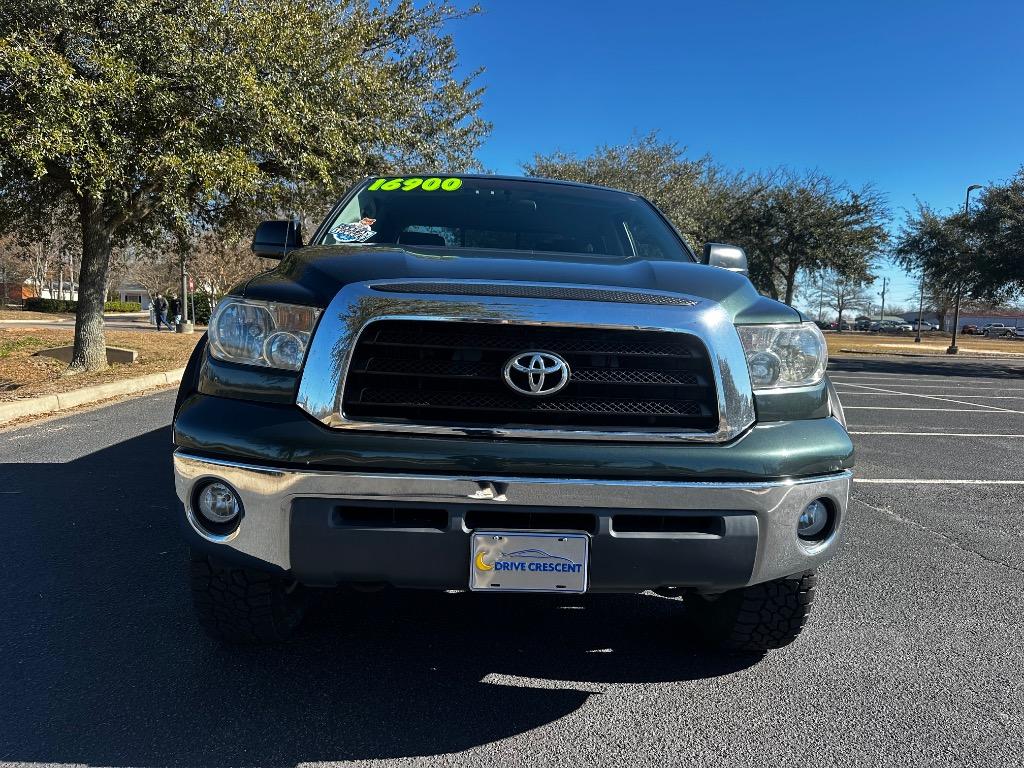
<point x="407" y="185"/>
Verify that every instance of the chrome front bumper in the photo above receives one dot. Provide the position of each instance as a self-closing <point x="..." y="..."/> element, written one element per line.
<point x="268" y="495"/>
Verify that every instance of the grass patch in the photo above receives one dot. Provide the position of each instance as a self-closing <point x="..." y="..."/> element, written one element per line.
<point x="24" y="314"/>
<point x="931" y="344"/>
<point x="10" y="346"/>
<point x="34" y="375"/>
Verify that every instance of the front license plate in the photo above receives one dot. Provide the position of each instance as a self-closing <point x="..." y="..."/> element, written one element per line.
<point x="507" y="561"/>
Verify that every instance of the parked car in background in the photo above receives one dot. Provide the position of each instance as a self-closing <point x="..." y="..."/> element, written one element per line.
<point x="862" y="325"/>
<point x="889" y="326"/>
<point x="1008" y="333"/>
<point x="925" y="325"/>
<point x="834" y="326"/>
<point x="970" y="330"/>
<point x="993" y="330"/>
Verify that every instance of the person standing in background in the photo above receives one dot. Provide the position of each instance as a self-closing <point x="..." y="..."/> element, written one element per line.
<point x="160" y="311"/>
<point x="174" y="310"/>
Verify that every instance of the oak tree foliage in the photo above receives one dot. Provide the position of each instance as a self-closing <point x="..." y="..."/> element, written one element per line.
<point x="788" y="223"/>
<point x="156" y="116"/>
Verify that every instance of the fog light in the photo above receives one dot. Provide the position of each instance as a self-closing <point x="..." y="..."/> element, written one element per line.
<point x="813" y="521"/>
<point x="218" y="504"/>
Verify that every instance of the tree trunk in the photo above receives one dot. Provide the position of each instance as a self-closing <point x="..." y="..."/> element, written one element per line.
<point x="790" y="286"/>
<point x="90" y="352"/>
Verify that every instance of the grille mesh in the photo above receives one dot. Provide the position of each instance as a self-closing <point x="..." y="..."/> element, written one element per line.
<point x="451" y="374"/>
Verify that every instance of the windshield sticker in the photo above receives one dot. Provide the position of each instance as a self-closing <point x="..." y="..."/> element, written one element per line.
<point x="358" y="232"/>
<point x="407" y="185"/>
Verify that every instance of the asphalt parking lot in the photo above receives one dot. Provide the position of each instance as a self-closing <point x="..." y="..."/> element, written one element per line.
<point x="913" y="657"/>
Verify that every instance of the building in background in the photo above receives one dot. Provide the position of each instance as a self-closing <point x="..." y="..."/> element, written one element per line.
<point x="134" y="292"/>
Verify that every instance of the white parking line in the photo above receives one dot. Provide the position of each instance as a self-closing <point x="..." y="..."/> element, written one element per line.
<point x="927" y="378"/>
<point x="909" y="481"/>
<point x="932" y="397"/>
<point x="853" y="393"/>
<point x="939" y="386"/>
<point x="930" y="410"/>
<point x="938" y="434"/>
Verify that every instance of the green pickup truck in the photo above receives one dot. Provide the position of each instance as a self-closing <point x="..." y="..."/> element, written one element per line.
<point x="503" y="384"/>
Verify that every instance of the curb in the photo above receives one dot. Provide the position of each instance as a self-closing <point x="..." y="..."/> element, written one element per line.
<point x="35" y="406"/>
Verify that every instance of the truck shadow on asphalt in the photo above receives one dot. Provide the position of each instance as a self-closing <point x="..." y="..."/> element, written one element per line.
<point x="102" y="663"/>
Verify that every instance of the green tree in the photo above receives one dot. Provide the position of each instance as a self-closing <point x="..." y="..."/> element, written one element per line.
<point x="647" y="166"/>
<point x="808" y="224"/>
<point x="169" y="115"/>
<point x="940" y="249"/>
<point x="999" y="225"/>
<point x="788" y="224"/>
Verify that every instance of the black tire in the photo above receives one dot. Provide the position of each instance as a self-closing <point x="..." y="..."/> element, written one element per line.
<point x="757" y="618"/>
<point x="239" y="605"/>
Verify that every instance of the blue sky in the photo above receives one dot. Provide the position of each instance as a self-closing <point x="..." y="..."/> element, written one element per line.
<point x="919" y="98"/>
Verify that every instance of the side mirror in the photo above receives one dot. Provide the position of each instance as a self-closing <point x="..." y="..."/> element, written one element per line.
<point x="274" y="239"/>
<point x="730" y="257"/>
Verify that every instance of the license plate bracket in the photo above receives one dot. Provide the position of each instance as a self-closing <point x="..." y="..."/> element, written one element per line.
<point x="529" y="561"/>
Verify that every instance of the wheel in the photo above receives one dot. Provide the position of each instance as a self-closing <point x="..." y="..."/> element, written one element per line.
<point x="239" y="605"/>
<point x="756" y="618"/>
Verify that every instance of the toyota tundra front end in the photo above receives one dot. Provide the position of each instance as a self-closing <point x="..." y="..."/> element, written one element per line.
<point x="507" y="385"/>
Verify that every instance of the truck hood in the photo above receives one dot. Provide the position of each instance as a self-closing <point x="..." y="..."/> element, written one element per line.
<point x="313" y="275"/>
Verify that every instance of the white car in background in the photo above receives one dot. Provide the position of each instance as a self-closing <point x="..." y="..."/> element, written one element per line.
<point x="993" y="330"/>
<point x="889" y="326"/>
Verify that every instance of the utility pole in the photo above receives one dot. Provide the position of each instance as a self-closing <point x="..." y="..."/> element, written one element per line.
<point x="821" y="296"/>
<point x="184" y="326"/>
<point x="920" y="312"/>
<point x="881" y="312"/>
<point x="952" y="349"/>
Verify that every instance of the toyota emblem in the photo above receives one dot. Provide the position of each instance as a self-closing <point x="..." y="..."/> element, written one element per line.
<point x="536" y="373"/>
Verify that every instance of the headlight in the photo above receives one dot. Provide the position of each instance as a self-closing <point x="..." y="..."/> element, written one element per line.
<point x="261" y="333"/>
<point x="791" y="355"/>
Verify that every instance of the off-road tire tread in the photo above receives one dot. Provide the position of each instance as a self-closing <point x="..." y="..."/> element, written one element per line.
<point x="761" y="617"/>
<point x="243" y="606"/>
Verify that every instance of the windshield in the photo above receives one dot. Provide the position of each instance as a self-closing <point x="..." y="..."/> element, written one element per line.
<point x="507" y="215"/>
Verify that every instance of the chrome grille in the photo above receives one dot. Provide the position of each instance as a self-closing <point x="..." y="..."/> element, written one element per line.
<point x="435" y="372"/>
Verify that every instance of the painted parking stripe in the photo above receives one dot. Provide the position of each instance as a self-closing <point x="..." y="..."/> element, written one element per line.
<point x="970" y="387"/>
<point x="962" y="387"/>
<point x="938" y="434"/>
<point x="936" y="398"/>
<point x="929" y="410"/>
<point x="910" y="481"/>
<point x="928" y="379"/>
<point x="873" y="375"/>
<point x="853" y="393"/>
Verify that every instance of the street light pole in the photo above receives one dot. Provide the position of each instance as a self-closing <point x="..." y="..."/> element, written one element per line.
<point x="952" y="349"/>
<point x="920" y="312"/>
